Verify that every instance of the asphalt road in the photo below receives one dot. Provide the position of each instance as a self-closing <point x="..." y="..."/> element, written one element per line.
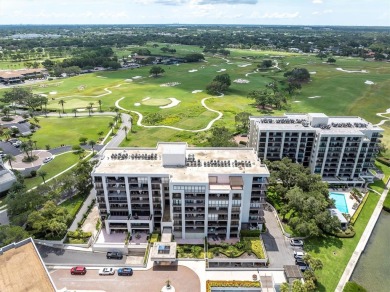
<point x="278" y="248"/>
<point x="58" y="256"/>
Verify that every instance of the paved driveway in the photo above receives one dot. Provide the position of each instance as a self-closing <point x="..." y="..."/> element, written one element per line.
<point x="182" y="279"/>
<point x="278" y="248"/>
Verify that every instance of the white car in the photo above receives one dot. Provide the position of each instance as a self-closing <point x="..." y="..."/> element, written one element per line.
<point x="17" y="143"/>
<point x="106" y="271"/>
<point x="296" y="242"/>
<point x="48" y="159"/>
<point x="299" y="254"/>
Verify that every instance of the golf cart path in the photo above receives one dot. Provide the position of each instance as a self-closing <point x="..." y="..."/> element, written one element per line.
<point x="139" y="122"/>
<point x="382" y="116"/>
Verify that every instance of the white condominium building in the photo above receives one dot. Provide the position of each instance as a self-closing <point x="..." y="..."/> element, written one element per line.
<point x="340" y="149"/>
<point x="195" y="192"/>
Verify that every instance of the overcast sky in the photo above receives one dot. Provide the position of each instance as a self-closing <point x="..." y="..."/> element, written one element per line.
<point x="305" y="12"/>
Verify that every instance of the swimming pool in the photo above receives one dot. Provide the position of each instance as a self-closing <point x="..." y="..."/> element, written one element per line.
<point x="341" y="203"/>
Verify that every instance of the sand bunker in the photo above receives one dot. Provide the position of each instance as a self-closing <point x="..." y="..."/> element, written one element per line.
<point x="169" y="84"/>
<point x="221" y="70"/>
<point x="137" y="77"/>
<point x="312" y="73"/>
<point x="146" y="98"/>
<point x="196" y="91"/>
<point x="287" y="64"/>
<point x="351" y="71"/>
<point x="368" y="82"/>
<point x="244" y="65"/>
<point x="53" y="92"/>
<point x="193" y="70"/>
<point x="128" y="80"/>
<point x="317" y="96"/>
<point x="241" y="81"/>
<point x="101" y="76"/>
<point x="42" y="94"/>
<point x="174" y="102"/>
<point x="137" y="104"/>
<point x="297" y="101"/>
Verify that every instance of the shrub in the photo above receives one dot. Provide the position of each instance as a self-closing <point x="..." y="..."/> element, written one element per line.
<point x="33" y="173"/>
<point x="212" y="283"/>
<point x="348" y="233"/>
<point x="384" y="160"/>
<point x="7" y="119"/>
<point x="242" y="143"/>
<point x="250" y="233"/>
<point x="47" y="147"/>
<point x="357" y="212"/>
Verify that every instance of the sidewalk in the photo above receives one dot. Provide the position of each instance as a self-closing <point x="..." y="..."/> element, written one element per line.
<point x="82" y="210"/>
<point x="363" y="241"/>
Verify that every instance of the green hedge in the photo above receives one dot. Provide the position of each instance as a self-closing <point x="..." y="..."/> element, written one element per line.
<point x="386" y="203"/>
<point x="359" y="209"/>
<point x="349" y="233"/>
<point x="384" y="160"/>
<point x="249" y="233"/>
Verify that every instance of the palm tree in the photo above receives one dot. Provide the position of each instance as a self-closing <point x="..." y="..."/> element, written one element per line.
<point x="100" y="104"/>
<point x="6" y="111"/>
<point x="74" y="111"/>
<point x="42" y="174"/>
<point x="45" y="102"/>
<point x="36" y="120"/>
<point x="91" y="106"/>
<point x="111" y="125"/>
<point x="25" y="148"/>
<point x="59" y="113"/>
<point x="92" y="143"/>
<point x="125" y="128"/>
<point x="9" y="158"/>
<point x="61" y="102"/>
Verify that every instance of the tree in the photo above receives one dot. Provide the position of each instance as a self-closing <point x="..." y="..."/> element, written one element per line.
<point x="25" y="147"/>
<point x="297" y="75"/>
<point x="216" y="88"/>
<point x="90" y="108"/>
<point x="48" y="64"/>
<point x="265" y="64"/>
<point x="111" y="125"/>
<point x="17" y="95"/>
<point x="297" y="286"/>
<point x="242" y="122"/>
<point x="125" y="129"/>
<point x="156" y="70"/>
<point x="42" y="174"/>
<point x="220" y="137"/>
<point x="224" y="79"/>
<point x="285" y="287"/>
<point x="83" y="140"/>
<point x="10" y="234"/>
<point x="100" y="104"/>
<point x="331" y="60"/>
<point x="92" y="143"/>
<point x="6" y="111"/>
<point x="75" y="112"/>
<point x="194" y="57"/>
<point x="261" y="97"/>
<point x="9" y="158"/>
<point x="61" y="102"/>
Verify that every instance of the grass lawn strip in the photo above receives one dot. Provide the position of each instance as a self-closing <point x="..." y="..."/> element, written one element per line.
<point x="336" y="252"/>
<point x="59" y="165"/>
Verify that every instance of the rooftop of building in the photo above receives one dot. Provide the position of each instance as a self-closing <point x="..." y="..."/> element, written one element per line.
<point x="19" y="72"/>
<point x="22" y="269"/>
<point x="198" y="163"/>
<point x="318" y="122"/>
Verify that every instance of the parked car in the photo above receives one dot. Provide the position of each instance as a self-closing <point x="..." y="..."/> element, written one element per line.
<point x="2" y="154"/>
<point x="22" y="121"/>
<point x="125" y="272"/>
<point x="302" y="265"/>
<point x="78" y="270"/>
<point x="114" y="255"/>
<point x="296" y="242"/>
<point x="13" y="140"/>
<point x="48" y="159"/>
<point x="17" y="143"/>
<point x="106" y="271"/>
<point x="299" y="254"/>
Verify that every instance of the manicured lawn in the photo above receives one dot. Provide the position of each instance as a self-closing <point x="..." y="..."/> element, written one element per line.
<point x="57" y="131"/>
<point x="58" y="164"/>
<point x="336" y="252"/>
<point x="73" y="204"/>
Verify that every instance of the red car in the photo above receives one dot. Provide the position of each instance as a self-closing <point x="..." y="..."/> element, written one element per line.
<point x="78" y="271"/>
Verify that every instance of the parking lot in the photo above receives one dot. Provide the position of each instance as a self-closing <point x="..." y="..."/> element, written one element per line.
<point x="182" y="279"/>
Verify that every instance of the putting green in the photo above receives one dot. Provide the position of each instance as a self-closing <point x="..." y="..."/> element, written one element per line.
<point x="156" y="101"/>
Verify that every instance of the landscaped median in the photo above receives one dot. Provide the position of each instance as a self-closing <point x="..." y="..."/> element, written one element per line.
<point x="231" y="284"/>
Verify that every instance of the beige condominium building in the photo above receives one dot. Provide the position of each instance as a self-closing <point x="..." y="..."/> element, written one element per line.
<point x="342" y="149"/>
<point x="194" y="192"/>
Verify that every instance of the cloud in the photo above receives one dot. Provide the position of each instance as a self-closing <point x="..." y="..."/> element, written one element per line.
<point x="229" y="2"/>
<point x="326" y="11"/>
<point x="275" y="15"/>
<point x="316" y="1"/>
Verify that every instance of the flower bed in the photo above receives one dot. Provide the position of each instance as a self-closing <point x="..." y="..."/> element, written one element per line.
<point x="238" y="284"/>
